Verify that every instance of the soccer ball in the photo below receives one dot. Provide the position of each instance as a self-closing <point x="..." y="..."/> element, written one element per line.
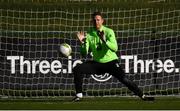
<point x="65" y="49"/>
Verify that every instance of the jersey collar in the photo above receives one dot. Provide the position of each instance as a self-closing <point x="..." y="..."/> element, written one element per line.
<point x="101" y="29"/>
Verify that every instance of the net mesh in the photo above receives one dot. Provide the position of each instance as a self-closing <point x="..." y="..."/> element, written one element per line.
<point x="36" y="35"/>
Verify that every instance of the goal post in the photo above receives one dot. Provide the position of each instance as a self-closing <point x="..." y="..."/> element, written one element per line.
<point x="148" y="41"/>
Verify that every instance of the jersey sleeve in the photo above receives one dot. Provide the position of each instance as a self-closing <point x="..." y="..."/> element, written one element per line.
<point x="111" y="41"/>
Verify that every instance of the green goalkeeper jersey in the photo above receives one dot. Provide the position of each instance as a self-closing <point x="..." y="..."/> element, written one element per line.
<point x="102" y="52"/>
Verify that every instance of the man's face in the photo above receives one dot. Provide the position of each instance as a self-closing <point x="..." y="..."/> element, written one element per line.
<point x="98" y="21"/>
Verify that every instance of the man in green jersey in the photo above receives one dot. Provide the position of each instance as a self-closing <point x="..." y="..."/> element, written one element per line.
<point x="101" y="41"/>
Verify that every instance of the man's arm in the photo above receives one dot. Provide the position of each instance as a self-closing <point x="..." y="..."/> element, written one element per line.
<point x="84" y="43"/>
<point x="109" y="40"/>
<point x="84" y="47"/>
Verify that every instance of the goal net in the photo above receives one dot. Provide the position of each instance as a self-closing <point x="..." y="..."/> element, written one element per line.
<point x="148" y="41"/>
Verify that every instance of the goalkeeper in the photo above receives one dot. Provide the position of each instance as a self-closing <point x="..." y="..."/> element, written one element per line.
<point x="101" y="41"/>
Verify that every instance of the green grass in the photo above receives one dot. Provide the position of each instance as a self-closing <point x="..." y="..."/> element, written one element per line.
<point x="96" y="103"/>
<point x="59" y="92"/>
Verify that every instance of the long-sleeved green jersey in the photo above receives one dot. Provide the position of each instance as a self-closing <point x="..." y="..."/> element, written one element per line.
<point x="107" y="50"/>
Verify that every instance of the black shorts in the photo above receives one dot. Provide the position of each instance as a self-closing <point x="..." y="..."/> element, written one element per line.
<point x="93" y="67"/>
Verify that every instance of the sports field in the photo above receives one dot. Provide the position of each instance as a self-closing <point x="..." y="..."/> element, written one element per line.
<point x="96" y="103"/>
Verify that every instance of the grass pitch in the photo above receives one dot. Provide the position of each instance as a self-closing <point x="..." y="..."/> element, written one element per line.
<point x="95" y="103"/>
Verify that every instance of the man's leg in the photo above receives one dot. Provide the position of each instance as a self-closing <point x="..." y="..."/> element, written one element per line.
<point x="120" y="75"/>
<point x="80" y="70"/>
<point x="117" y="72"/>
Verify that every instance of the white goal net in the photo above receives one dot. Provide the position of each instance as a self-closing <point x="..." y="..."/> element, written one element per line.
<point x="31" y="38"/>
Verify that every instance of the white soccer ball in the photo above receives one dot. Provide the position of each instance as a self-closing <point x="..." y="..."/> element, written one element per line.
<point x="65" y="49"/>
